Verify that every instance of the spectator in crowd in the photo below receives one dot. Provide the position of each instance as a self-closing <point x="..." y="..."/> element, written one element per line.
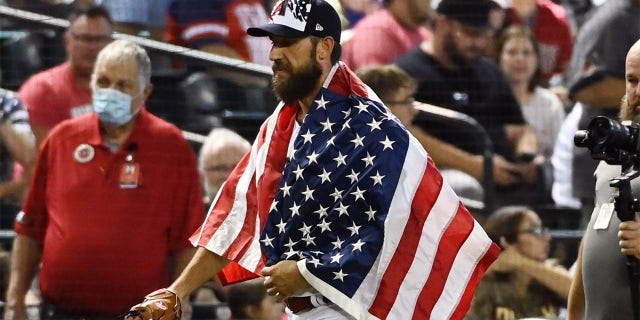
<point x="249" y="300"/>
<point x="139" y="17"/>
<point x="384" y="35"/>
<point x="114" y="197"/>
<point x="497" y="18"/>
<point x="602" y="287"/>
<point x="220" y="153"/>
<point x="549" y="23"/>
<point x="523" y="282"/>
<point x="219" y="27"/>
<point x="396" y="89"/>
<point x="542" y="109"/>
<point x="596" y="79"/>
<point x="562" y="160"/>
<point x="452" y="73"/>
<point x="58" y="9"/>
<point x="16" y="147"/>
<point x="352" y="11"/>
<point x="579" y="10"/>
<point x="332" y="186"/>
<point x="64" y="92"/>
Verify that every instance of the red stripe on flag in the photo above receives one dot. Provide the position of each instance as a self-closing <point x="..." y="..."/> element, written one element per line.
<point x="465" y="302"/>
<point x="453" y="238"/>
<point x="346" y="83"/>
<point x="259" y="198"/>
<point x="276" y="160"/>
<point x="428" y="192"/>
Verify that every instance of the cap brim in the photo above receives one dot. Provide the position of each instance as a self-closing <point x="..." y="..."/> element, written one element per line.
<point x="273" y="29"/>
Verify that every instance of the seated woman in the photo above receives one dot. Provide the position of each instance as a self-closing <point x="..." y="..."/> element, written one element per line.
<point x="519" y="58"/>
<point x="522" y="282"/>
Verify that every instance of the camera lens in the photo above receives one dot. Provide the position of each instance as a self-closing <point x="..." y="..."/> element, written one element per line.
<point x="610" y="133"/>
<point x="581" y="139"/>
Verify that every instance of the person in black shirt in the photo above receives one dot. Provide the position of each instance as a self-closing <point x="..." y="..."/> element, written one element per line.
<point x="452" y="72"/>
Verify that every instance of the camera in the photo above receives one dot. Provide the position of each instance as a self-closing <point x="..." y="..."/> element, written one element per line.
<point x="617" y="143"/>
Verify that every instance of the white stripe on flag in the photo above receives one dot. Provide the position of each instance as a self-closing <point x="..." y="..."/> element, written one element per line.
<point x="253" y="255"/>
<point x="222" y="239"/>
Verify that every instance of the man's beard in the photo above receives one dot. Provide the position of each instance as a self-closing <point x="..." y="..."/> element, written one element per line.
<point x="300" y="83"/>
<point x="628" y="112"/>
<point x="455" y="54"/>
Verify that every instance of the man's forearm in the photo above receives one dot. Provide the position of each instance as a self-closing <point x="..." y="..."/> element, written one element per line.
<point x="448" y="156"/>
<point x="25" y="257"/>
<point x="12" y="189"/>
<point x="203" y="266"/>
<point x="20" y="145"/>
<point x="576" y="303"/>
<point x="556" y="278"/>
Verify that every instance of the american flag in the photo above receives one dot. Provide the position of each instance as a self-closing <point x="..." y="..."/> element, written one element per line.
<point x="356" y="200"/>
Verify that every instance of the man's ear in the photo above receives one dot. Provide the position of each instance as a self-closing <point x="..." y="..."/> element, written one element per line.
<point x="147" y="91"/>
<point x="324" y="48"/>
<point x="66" y="39"/>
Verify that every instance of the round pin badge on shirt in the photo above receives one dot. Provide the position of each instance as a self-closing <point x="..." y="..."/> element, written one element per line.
<point x="84" y="153"/>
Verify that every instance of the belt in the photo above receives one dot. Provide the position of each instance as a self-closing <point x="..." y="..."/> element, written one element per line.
<point x="301" y="304"/>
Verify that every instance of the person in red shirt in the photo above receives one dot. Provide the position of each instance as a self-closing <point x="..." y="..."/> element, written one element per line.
<point x="114" y="198"/>
<point x="383" y="36"/>
<point x="63" y="91"/>
<point x="219" y="27"/>
<point x="550" y="25"/>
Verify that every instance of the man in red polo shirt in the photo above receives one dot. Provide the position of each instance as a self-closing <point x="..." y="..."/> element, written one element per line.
<point x="114" y="198"/>
<point x="63" y="91"/>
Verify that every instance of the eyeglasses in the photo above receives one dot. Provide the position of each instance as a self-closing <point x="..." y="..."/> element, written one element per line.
<point x="91" y="39"/>
<point x="537" y="231"/>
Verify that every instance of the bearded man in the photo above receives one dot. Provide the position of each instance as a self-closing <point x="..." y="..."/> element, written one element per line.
<point x="608" y="241"/>
<point x="452" y="73"/>
<point x="336" y="206"/>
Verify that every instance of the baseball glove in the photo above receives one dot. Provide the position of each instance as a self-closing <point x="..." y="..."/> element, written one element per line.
<point x="161" y="304"/>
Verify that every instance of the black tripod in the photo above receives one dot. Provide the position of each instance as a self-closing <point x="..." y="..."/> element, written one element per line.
<point x="626" y="205"/>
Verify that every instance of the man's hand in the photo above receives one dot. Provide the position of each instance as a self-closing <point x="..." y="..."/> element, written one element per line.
<point x="629" y="236"/>
<point x="505" y="173"/>
<point x="284" y="279"/>
<point x="161" y="304"/>
<point x="508" y="260"/>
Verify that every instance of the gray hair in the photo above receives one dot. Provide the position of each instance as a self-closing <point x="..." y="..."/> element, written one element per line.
<point x="123" y="50"/>
<point x="220" y="139"/>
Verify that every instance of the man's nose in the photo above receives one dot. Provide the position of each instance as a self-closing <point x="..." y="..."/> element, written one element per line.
<point x="275" y="53"/>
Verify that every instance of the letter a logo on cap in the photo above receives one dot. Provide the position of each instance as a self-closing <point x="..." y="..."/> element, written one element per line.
<point x="292" y="13"/>
<point x="319" y="27"/>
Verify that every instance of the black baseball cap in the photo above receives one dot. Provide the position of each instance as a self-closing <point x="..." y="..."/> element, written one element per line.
<point x="471" y="13"/>
<point x="299" y="19"/>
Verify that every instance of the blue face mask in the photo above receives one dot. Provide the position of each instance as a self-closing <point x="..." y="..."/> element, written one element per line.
<point x="112" y="106"/>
